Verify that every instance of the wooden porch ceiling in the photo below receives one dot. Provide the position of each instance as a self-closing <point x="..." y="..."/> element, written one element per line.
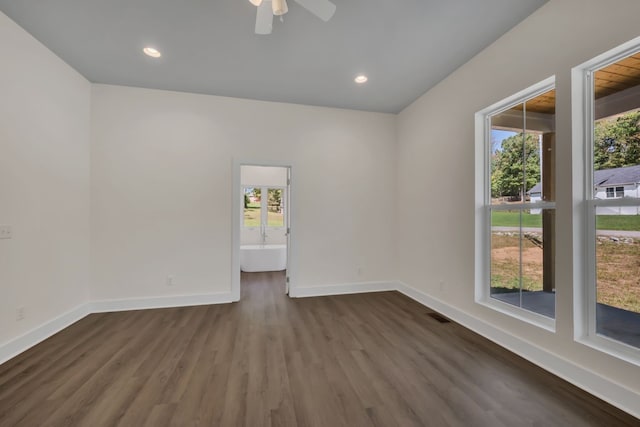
<point x="544" y="103"/>
<point x="617" y="77"/>
<point x="613" y="78"/>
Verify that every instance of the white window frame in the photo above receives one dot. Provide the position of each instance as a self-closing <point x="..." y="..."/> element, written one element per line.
<point x="483" y="207"/>
<point x="264" y="206"/>
<point x="585" y="205"/>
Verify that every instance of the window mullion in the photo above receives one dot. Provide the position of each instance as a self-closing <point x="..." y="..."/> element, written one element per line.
<point x="263" y="207"/>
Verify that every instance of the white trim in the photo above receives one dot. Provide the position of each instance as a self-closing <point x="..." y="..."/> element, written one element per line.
<point x="520" y="313"/>
<point x="517" y="98"/>
<point x="607" y="390"/>
<point x="614" y="202"/>
<point x="579" y="190"/>
<point x="343" y="289"/>
<point x="236" y="221"/>
<point x="104" y="306"/>
<point x="612" y="347"/>
<point x="14" y="347"/>
<point x="523" y="206"/>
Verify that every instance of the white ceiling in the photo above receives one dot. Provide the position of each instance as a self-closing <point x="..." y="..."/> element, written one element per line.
<point x="209" y="46"/>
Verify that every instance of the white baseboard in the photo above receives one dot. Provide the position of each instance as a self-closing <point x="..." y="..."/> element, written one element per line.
<point x="104" y="306"/>
<point x="12" y="348"/>
<point x="609" y="391"/>
<point x="347" y="288"/>
<point x="24" y="342"/>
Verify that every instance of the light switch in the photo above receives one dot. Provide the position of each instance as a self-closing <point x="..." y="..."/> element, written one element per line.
<point x="5" y="232"/>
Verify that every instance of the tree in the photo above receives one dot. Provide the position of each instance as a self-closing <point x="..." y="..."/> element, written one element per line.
<point x="508" y="175"/>
<point x="616" y="141"/>
<point x="274" y="199"/>
<point x="496" y="176"/>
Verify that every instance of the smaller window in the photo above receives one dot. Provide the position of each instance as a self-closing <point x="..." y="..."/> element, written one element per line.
<point x="610" y="194"/>
<point x="615" y="192"/>
<point x="264" y="206"/>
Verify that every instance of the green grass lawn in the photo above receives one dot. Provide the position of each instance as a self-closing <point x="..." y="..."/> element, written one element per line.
<point x="252" y="217"/>
<point x="605" y="222"/>
<point x="512" y="219"/>
<point x="618" y="222"/>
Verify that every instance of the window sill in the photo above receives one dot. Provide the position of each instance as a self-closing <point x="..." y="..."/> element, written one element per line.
<point x="521" y="314"/>
<point x="611" y="347"/>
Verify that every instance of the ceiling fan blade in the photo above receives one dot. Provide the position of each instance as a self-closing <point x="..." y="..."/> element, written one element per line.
<point x="323" y="9"/>
<point x="264" y="18"/>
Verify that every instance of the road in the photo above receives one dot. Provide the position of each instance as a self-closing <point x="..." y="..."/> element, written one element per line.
<point x="613" y="233"/>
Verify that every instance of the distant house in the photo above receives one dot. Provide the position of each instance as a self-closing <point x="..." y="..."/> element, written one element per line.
<point x="535" y="195"/>
<point x="613" y="183"/>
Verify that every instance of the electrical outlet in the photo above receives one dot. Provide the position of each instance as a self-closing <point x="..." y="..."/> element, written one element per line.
<point x="6" y="232"/>
<point x="171" y="280"/>
<point x="19" y="313"/>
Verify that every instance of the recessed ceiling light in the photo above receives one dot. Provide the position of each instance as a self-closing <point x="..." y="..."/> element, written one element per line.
<point x="152" y="52"/>
<point x="361" y="78"/>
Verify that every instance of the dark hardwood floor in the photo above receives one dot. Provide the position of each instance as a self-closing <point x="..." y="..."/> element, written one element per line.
<point x="354" y="360"/>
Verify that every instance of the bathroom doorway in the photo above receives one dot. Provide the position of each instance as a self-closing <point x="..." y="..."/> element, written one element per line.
<point x="262" y="232"/>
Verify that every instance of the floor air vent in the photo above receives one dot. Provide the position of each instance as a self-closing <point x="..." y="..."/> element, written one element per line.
<point x="439" y="317"/>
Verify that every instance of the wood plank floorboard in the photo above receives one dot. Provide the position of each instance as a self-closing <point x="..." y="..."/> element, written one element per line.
<point x="353" y="360"/>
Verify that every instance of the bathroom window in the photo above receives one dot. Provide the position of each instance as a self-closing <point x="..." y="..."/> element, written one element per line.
<point x="606" y="98"/>
<point x="515" y="200"/>
<point x="264" y="206"/>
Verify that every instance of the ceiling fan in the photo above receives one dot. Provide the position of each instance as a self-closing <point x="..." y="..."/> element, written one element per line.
<point x="267" y="9"/>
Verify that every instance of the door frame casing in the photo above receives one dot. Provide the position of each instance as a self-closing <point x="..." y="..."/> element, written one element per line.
<point x="236" y="218"/>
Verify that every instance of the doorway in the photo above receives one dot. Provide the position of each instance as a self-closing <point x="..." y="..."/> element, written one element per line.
<point x="261" y="223"/>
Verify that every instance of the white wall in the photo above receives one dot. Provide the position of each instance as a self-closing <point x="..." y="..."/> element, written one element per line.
<point x="44" y="183"/>
<point x="161" y="189"/>
<point x="268" y="176"/>
<point x="436" y="145"/>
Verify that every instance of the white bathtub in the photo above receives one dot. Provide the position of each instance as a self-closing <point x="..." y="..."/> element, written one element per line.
<point x="263" y="258"/>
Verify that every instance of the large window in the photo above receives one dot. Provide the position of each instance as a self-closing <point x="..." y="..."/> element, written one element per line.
<point x="608" y="305"/>
<point x="515" y="224"/>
